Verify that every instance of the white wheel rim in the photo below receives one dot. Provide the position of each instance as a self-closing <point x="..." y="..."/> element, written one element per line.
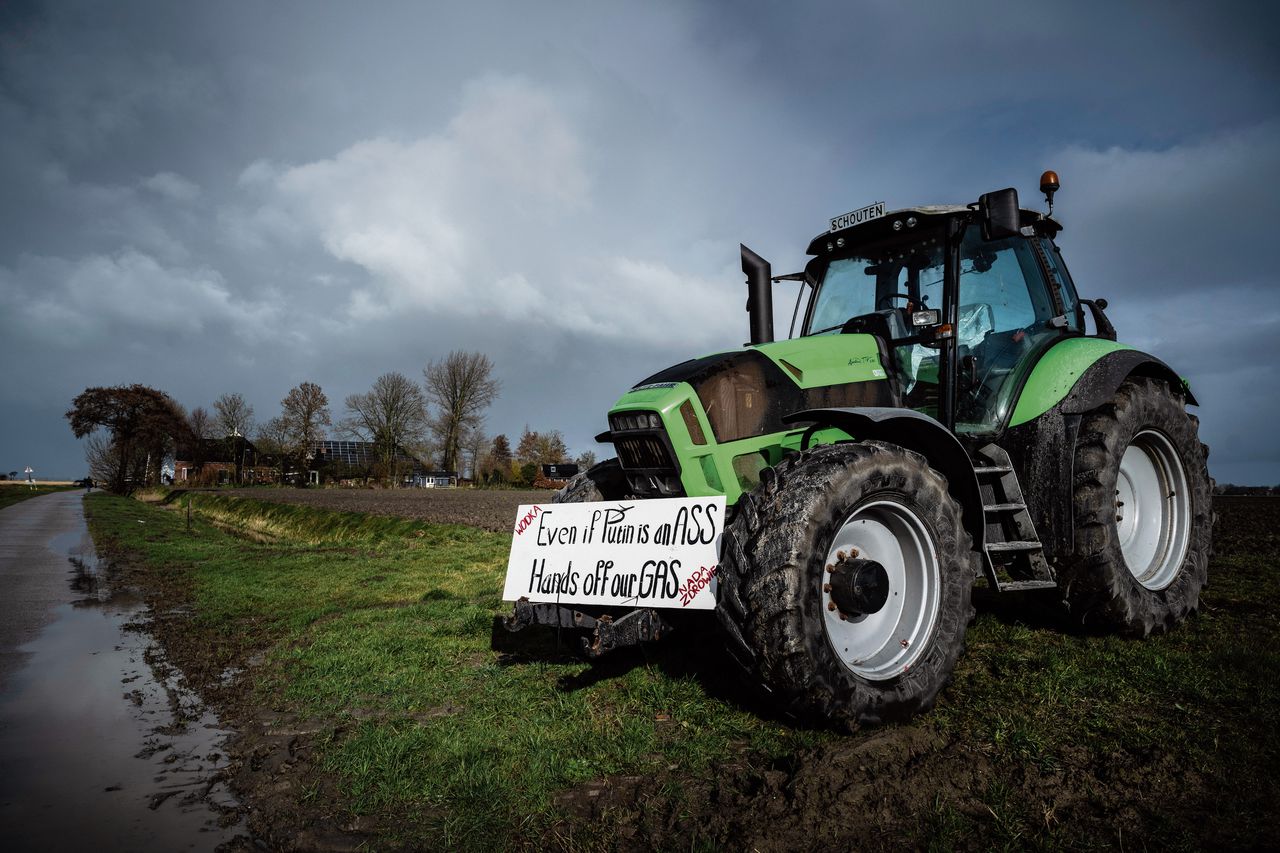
<point x="1153" y="510"/>
<point x="882" y="645"/>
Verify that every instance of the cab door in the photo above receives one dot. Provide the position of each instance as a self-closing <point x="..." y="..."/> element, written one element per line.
<point x="1006" y="318"/>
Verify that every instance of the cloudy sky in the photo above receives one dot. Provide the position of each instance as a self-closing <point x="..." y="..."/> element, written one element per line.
<point x="216" y="197"/>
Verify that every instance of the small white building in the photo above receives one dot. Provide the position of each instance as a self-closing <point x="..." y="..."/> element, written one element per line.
<point x="436" y="479"/>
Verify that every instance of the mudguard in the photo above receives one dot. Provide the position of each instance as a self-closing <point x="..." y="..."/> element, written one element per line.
<point x="914" y="431"/>
<point x="1079" y="374"/>
<point x="1100" y="382"/>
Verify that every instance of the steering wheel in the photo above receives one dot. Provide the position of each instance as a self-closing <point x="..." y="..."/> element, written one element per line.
<point x="887" y="297"/>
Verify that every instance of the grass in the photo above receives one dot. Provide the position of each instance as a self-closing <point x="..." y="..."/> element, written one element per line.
<point x="1201" y="702"/>
<point x="379" y="630"/>
<point x="12" y="492"/>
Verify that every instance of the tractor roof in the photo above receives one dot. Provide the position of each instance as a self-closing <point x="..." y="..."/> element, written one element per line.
<point x="926" y="215"/>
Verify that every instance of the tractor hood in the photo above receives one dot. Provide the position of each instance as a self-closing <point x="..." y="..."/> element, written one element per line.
<point x="745" y="393"/>
<point x="809" y="362"/>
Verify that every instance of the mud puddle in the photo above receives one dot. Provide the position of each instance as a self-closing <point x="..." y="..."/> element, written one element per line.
<point x="100" y="746"/>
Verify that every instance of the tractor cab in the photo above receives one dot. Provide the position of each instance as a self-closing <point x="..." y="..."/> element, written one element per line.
<point x="961" y="306"/>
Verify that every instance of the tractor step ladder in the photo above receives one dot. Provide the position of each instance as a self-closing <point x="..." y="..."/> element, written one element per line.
<point x="1014" y="556"/>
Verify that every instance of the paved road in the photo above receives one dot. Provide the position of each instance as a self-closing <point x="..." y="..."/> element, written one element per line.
<point x="38" y="537"/>
<point x="91" y="757"/>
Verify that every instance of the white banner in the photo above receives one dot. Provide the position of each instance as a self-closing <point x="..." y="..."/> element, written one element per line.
<point x="640" y="553"/>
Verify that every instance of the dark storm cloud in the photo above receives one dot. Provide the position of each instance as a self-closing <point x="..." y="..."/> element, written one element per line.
<point x="238" y="197"/>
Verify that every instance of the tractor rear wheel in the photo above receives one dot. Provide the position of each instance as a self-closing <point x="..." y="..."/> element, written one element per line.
<point x="601" y="482"/>
<point x="1143" y="513"/>
<point x="845" y="583"/>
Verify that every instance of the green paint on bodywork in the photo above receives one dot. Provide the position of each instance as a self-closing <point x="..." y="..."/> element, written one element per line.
<point x="827" y="359"/>
<point x="705" y="469"/>
<point x="729" y="469"/>
<point x="1055" y="374"/>
<point x="710" y="469"/>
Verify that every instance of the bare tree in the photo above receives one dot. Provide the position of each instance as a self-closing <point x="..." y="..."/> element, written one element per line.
<point x="392" y="416"/>
<point x="232" y="415"/>
<point x="201" y="422"/>
<point x="201" y="425"/>
<point x="305" y="414"/>
<point x="473" y="447"/>
<point x="585" y="459"/>
<point x="234" y="419"/>
<point x="461" y="386"/>
<point x="104" y="459"/>
<point x="426" y="448"/>
<point x="272" y="438"/>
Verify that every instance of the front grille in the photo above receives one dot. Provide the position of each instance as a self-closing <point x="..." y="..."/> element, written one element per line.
<point x="642" y="451"/>
<point x="648" y="463"/>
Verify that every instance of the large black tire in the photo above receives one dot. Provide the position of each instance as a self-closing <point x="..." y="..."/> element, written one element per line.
<point x="1100" y="587"/>
<point x="603" y="481"/>
<point x="772" y="602"/>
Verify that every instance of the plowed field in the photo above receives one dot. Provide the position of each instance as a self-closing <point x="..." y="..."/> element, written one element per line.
<point x="488" y="509"/>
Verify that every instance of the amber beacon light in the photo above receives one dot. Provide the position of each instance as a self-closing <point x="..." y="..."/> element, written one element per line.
<point x="1049" y="185"/>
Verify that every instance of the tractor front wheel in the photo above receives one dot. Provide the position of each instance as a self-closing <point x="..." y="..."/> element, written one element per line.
<point x="845" y="583"/>
<point x="1143" y="514"/>
<point x="601" y="482"/>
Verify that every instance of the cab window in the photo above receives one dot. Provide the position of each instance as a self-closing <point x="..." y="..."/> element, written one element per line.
<point x="1066" y="287"/>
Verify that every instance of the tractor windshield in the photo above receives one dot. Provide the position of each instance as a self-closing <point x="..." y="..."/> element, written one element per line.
<point x="881" y="279"/>
<point x="874" y="290"/>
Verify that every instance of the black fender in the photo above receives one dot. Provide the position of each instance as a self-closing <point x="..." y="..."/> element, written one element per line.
<point x="1099" y="383"/>
<point x="914" y="431"/>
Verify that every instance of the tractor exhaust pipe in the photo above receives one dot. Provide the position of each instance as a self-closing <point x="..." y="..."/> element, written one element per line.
<point x="759" y="296"/>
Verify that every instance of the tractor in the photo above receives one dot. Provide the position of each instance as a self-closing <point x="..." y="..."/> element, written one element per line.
<point x="945" y="417"/>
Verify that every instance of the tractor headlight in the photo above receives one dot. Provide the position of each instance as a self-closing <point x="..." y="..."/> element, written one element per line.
<point x="627" y="421"/>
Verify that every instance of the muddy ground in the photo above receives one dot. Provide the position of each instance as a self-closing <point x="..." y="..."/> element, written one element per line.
<point x="488" y="509"/>
<point x="898" y="787"/>
<point x="216" y="675"/>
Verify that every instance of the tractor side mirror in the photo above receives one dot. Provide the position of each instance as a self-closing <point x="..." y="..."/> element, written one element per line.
<point x="1101" y="324"/>
<point x="998" y="212"/>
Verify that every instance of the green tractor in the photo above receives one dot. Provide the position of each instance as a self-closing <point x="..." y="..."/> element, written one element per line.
<point x="943" y="418"/>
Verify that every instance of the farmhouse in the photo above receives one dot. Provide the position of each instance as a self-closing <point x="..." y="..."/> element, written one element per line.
<point x="214" y="461"/>
<point x="206" y="461"/>
<point x="345" y="461"/>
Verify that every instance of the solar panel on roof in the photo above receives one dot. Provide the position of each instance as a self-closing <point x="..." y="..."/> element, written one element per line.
<point x="357" y="453"/>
